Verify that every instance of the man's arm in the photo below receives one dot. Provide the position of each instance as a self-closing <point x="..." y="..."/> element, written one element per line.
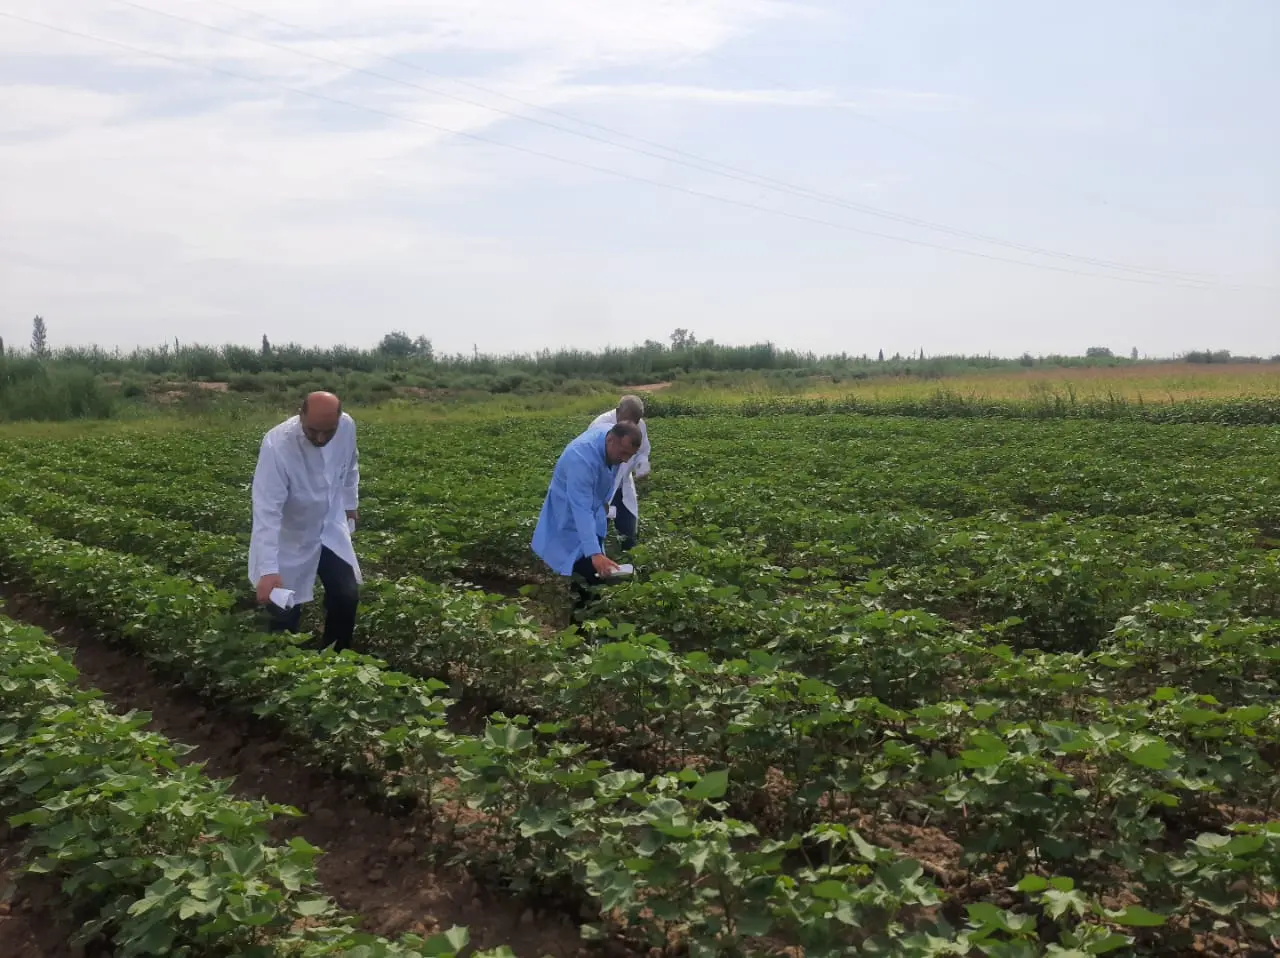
<point x="351" y="488"/>
<point x="640" y="461"/>
<point x="270" y="489"/>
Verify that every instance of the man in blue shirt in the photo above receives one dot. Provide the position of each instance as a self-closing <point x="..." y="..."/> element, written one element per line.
<point x="574" y="519"/>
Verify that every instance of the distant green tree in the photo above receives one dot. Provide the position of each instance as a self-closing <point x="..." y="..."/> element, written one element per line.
<point x="397" y="344"/>
<point x="39" y="337"/>
<point x="683" y="339"/>
<point x="1098" y="352"/>
<point x="1209" y="356"/>
<point x="266" y="345"/>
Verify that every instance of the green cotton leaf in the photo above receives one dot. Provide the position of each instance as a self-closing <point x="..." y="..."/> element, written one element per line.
<point x="244" y="860"/>
<point x="155" y="940"/>
<point x="1164" y="694"/>
<point x="1153" y="755"/>
<point x="1198" y="716"/>
<point x="667" y="808"/>
<point x="895" y="875"/>
<point x="312" y="907"/>
<point x="189" y="907"/>
<point x="1058" y="903"/>
<point x="1244" y="845"/>
<point x="300" y="844"/>
<point x="508" y="737"/>
<point x="698" y="859"/>
<point x="866" y="851"/>
<point x="812" y="687"/>
<point x="711" y="785"/>
<point x="986" y="915"/>
<point x="1210" y="841"/>
<point x="982" y="758"/>
<point x="753" y="924"/>
<point x="1032" y="884"/>
<point x="1136" y="916"/>
<point x="831" y="890"/>
<point x="450" y="942"/>
<point x="650" y="842"/>
<point x="1248" y="713"/>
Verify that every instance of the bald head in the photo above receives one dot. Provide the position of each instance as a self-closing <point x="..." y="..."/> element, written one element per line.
<point x="319" y="417"/>
<point x="630" y="409"/>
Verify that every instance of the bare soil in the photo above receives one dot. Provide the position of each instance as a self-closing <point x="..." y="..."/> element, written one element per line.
<point x="372" y="863"/>
<point x="30" y="926"/>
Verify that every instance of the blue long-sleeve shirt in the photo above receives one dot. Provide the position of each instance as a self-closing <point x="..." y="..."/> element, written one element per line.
<point x="574" y="520"/>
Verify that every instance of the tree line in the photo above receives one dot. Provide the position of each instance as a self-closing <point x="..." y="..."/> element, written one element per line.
<point x="682" y="353"/>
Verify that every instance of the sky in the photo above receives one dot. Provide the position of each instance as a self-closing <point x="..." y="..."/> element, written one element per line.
<point x="994" y="176"/>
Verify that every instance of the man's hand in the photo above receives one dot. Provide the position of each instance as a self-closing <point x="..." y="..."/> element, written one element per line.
<point x="353" y="515"/>
<point x="266" y="584"/>
<point x="603" y="565"/>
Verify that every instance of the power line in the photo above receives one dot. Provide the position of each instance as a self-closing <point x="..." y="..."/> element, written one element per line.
<point x="694" y="161"/>
<point x="941" y="149"/>
<point x="689" y="191"/>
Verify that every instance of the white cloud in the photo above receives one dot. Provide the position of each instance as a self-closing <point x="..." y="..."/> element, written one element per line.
<point x="144" y="197"/>
<point x="137" y="172"/>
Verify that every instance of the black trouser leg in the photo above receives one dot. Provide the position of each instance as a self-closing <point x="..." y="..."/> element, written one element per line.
<point x="283" y="620"/>
<point x="625" y="522"/>
<point x="583" y="584"/>
<point x="341" y="599"/>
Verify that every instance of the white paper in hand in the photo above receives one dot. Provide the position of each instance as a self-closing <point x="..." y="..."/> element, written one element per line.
<point x="613" y="512"/>
<point x="351" y="524"/>
<point x="282" y="598"/>
<point x="625" y="569"/>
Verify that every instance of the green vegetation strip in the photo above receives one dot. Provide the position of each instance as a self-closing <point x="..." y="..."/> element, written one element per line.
<point x="657" y="856"/>
<point x="146" y="851"/>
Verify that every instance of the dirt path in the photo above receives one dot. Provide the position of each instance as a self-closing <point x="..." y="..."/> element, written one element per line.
<point x="29" y="924"/>
<point x="372" y="864"/>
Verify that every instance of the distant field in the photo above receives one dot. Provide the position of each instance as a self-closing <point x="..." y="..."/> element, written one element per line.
<point x="1155" y="383"/>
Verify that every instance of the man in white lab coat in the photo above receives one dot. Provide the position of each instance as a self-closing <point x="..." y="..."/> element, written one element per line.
<point x="623" y="501"/>
<point x="305" y="501"/>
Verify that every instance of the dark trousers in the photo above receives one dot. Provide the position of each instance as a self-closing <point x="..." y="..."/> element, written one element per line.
<point x="583" y="584"/>
<point x="341" y="599"/>
<point x="625" y="522"/>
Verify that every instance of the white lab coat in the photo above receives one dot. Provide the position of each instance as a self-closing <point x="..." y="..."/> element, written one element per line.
<point x="301" y="494"/>
<point x="637" y="465"/>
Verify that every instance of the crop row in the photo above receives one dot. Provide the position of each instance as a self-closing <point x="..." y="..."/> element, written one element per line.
<point x="1065" y="581"/>
<point x="146" y="851"/>
<point x="1108" y="780"/>
<point x="950" y="405"/>
<point x="979" y="525"/>
<point x="657" y="856"/>
<point x="681" y="704"/>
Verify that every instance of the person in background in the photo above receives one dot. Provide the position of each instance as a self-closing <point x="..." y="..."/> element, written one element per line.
<point x="305" y="505"/>
<point x="623" y="499"/>
<point x="573" y="522"/>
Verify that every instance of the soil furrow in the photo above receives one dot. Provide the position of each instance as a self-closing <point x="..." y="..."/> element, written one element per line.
<point x="373" y="862"/>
